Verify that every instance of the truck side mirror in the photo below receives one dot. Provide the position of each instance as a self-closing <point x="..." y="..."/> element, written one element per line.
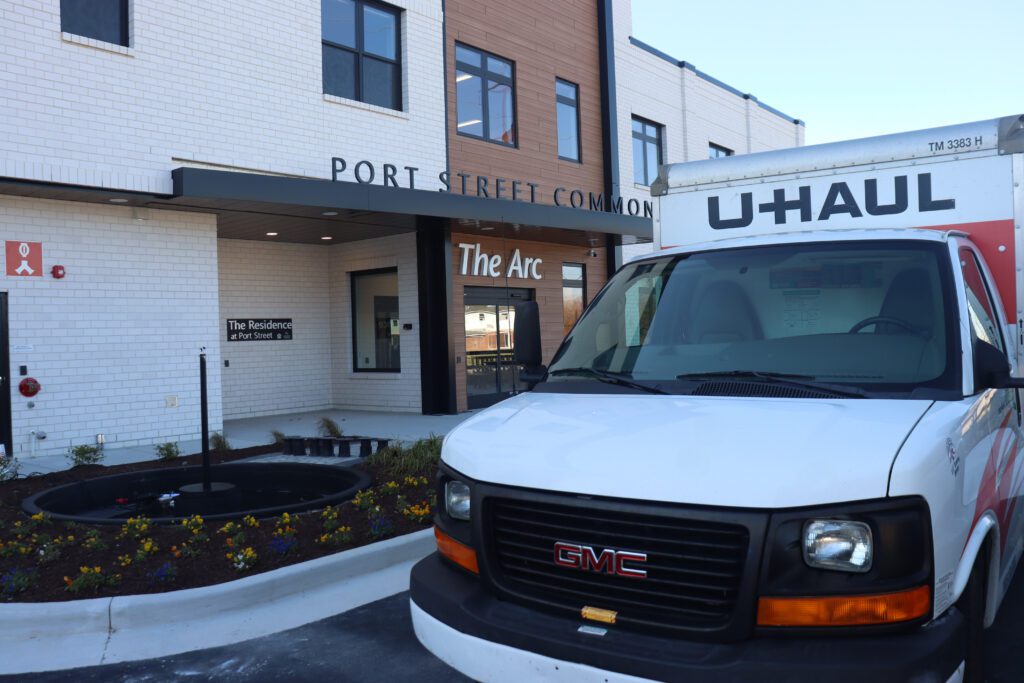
<point x="527" y="335"/>
<point x="992" y="368"/>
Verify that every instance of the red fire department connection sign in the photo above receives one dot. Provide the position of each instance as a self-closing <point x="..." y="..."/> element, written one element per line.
<point x="24" y="259"/>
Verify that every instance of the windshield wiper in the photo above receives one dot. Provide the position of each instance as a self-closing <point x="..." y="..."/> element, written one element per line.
<point x="620" y="379"/>
<point x="804" y="381"/>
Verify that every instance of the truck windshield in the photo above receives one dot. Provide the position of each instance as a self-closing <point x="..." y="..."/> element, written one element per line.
<point x="874" y="316"/>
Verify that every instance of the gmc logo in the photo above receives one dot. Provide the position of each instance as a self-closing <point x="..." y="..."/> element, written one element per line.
<point x="608" y="561"/>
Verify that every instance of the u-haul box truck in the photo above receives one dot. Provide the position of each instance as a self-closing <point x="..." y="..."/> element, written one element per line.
<point x="785" y="447"/>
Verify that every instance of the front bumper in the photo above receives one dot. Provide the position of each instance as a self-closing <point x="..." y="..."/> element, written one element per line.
<point x="490" y="639"/>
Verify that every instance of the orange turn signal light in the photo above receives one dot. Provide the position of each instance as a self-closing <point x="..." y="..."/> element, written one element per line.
<point x="845" y="610"/>
<point x="460" y="554"/>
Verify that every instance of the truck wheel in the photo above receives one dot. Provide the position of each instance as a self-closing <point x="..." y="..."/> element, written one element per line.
<point x="972" y="605"/>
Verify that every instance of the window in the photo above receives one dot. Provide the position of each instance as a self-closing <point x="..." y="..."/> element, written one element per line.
<point x="646" y="151"/>
<point x="361" y="52"/>
<point x="105" y="20"/>
<point x="717" y="151"/>
<point x="376" y="331"/>
<point x="484" y="100"/>
<point x="574" y="293"/>
<point x="568" y="114"/>
<point x="980" y="309"/>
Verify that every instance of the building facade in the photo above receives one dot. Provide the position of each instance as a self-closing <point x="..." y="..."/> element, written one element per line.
<point x="339" y="202"/>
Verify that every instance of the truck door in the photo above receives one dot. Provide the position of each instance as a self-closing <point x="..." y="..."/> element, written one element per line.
<point x="1001" y="483"/>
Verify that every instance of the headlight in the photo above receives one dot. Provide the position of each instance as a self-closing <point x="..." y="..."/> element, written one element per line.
<point x="456" y="500"/>
<point x="841" y="545"/>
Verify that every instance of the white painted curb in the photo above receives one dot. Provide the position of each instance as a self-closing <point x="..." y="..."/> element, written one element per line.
<point x="64" y="635"/>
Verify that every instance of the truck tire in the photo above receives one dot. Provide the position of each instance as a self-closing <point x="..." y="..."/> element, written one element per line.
<point x="972" y="605"/>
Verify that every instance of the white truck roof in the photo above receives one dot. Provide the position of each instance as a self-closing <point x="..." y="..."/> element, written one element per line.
<point x="1003" y="135"/>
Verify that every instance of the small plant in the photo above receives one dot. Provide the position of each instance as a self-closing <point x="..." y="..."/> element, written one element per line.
<point x="15" y="581"/>
<point x="419" y="512"/>
<point x="364" y="499"/>
<point x="390" y="487"/>
<point x="234" y="535"/>
<point x="419" y="458"/>
<point x="164" y="574"/>
<point x="93" y="540"/>
<point x="90" y="579"/>
<point x="380" y="525"/>
<point x="48" y="549"/>
<point x="278" y="436"/>
<point x="219" y="443"/>
<point x="243" y="560"/>
<point x="416" y="481"/>
<point x="135" y="527"/>
<point x="339" y="536"/>
<point x="283" y="539"/>
<point x="196" y="527"/>
<point x="329" y="427"/>
<point x="9" y="468"/>
<point x="85" y="455"/>
<point x="167" y="451"/>
<point x="147" y="549"/>
<point x="125" y="560"/>
<point x="251" y="522"/>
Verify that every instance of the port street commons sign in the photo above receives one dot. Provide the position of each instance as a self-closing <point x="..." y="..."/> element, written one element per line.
<point x="516" y="190"/>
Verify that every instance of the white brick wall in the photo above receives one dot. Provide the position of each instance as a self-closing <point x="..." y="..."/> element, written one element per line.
<point x="261" y="280"/>
<point x="393" y="391"/>
<point x="235" y="85"/>
<point x="693" y="111"/>
<point x="121" y="332"/>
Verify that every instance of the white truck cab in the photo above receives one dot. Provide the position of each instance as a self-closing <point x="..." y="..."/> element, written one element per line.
<point x="784" y="447"/>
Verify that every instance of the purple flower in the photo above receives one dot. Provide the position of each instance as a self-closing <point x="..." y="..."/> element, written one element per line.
<point x="281" y="545"/>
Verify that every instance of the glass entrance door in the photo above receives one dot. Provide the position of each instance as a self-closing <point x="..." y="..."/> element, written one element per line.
<point x="491" y="372"/>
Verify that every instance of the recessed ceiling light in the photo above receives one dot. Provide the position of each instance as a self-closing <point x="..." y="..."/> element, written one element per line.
<point x="118" y="200"/>
<point x="329" y="213"/>
<point x="271" y="234"/>
<point x="327" y="237"/>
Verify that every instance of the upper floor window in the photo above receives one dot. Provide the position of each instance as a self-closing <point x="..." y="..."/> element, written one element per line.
<point x="567" y="103"/>
<point x="484" y="96"/>
<point x="105" y="20"/>
<point x="717" y="151"/>
<point x="646" y="150"/>
<point x="361" y="51"/>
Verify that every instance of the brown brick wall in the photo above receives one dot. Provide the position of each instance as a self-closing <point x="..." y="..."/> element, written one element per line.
<point x="547" y="290"/>
<point x="545" y="40"/>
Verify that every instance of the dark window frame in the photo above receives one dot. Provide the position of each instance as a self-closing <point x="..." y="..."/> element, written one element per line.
<point x="361" y="54"/>
<point x="644" y="138"/>
<point x="353" y="275"/>
<point x="486" y="76"/>
<point x="561" y="99"/>
<point x="123" y="25"/>
<point x="725" y="151"/>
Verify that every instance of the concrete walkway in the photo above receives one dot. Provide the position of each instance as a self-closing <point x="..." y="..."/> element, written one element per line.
<point x="256" y="431"/>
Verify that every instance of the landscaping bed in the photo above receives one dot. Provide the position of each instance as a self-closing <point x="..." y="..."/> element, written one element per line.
<point x="44" y="560"/>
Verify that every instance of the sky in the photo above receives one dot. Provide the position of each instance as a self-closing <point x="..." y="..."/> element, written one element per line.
<point x="856" y="68"/>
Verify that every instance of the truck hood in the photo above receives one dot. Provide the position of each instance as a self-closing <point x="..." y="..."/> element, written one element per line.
<point x="744" y="452"/>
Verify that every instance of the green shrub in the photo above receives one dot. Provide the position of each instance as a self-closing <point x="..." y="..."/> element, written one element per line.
<point x="329" y="427"/>
<point x="219" y="442"/>
<point x="417" y="459"/>
<point x="85" y="455"/>
<point x="167" y="451"/>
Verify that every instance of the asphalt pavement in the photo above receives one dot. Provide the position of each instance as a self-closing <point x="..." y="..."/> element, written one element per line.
<point x="376" y="643"/>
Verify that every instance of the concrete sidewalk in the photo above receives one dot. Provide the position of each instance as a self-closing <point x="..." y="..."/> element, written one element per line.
<point x="256" y="431"/>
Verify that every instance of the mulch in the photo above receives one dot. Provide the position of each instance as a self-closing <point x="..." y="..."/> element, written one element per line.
<point x="163" y="571"/>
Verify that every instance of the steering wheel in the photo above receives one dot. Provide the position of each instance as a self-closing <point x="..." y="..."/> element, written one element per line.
<point x="881" y="319"/>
